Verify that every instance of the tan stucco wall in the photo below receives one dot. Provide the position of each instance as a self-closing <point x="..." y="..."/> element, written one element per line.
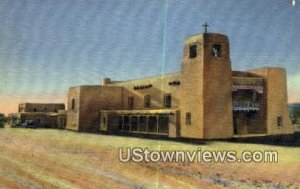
<point x="191" y="94"/>
<point x="276" y="99"/>
<point x="217" y="90"/>
<point x="92" y="100"/>
<point x="89" y="100"/>
<point x="160" y="87"/>
<point x="73" y="114"/>
<point x="41" y="107"/>
<point x="206" y="89"/>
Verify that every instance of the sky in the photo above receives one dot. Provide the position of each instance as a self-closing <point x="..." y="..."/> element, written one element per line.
<point x="47" y="46"/>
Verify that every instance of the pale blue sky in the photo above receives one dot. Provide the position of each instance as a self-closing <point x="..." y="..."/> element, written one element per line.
<point x="46" y="46"/>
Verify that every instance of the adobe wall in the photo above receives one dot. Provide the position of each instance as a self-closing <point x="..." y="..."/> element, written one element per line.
<point x="191" y="92"/>
<point x="41" y="107"/>
<point x="92" y="100"/>
<point x="206" y="89"/>
<point x="160" y="85"/>
<point x="73" y="114"/>
<point x="217" y="89"/>
<point x="62" y="119"/>
<point x="276" y="100"/>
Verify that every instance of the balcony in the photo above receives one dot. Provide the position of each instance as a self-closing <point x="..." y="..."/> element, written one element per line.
<point x="245" y="106"/>
<point x="248" y="83"/>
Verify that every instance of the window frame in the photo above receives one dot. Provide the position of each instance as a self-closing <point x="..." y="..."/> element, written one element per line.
<point x="73" y="104"/>
<point x="193" y="51"/>
<point x="188" y="118"/>
<point x="130" y="102"/>
<point x="219" y="50"/>
<point x="279" y="121"/>
<point x="147" y="101"/>
<point x="168" y="101"/>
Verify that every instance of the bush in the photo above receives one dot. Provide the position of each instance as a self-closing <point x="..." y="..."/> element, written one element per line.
<point x="294" y="110"/>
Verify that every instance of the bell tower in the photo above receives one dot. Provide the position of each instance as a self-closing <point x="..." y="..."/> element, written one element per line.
<point x="206" y="98"/>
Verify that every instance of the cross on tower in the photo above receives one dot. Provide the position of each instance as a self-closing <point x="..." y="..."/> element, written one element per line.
<point x="205" y="27"/>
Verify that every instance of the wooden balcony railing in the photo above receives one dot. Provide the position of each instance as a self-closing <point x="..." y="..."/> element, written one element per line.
<point x="245" y="106"/>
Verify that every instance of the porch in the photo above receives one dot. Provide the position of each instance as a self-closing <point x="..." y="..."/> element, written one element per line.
<point x="152" y="122"/>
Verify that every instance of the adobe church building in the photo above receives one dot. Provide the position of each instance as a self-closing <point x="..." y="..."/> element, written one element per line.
<point x="205" y="100"/>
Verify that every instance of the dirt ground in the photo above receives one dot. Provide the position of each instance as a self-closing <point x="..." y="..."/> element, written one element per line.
<point x="44" y="158"/>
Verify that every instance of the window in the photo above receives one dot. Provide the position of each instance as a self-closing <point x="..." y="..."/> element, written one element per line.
<point x="130" y="102"/>
<point x="188" y="118"/>
<point x="279" y="121"/>
<point x="134" y="123"/>
<point x="152" y="124"/>
<point x="142" y="123"/>
<point x="142" y="87"/>
<point x="34" y="109"/>
<point x="163" y="124"/>
<point x="193" y="51"/>
<point x="174" y="83"/>
<point x="45" y="109"/>
<point x="73" y="104"/>
<point x="114" y="123"/>
<point x="147" y="101"/>
<point x="216" y="50"/>
<point x="126" y="123"/>
<point x="168" y="101"/>
<point x="118" y="120"/>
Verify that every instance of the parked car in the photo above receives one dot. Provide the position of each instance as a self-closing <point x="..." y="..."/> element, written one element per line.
<point x="29" y="124"/>
<point x="25" y="124"/>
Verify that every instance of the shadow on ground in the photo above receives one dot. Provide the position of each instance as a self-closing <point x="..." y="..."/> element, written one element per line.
<point x="160" y="137"/>
<point x="292" y="140"/>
